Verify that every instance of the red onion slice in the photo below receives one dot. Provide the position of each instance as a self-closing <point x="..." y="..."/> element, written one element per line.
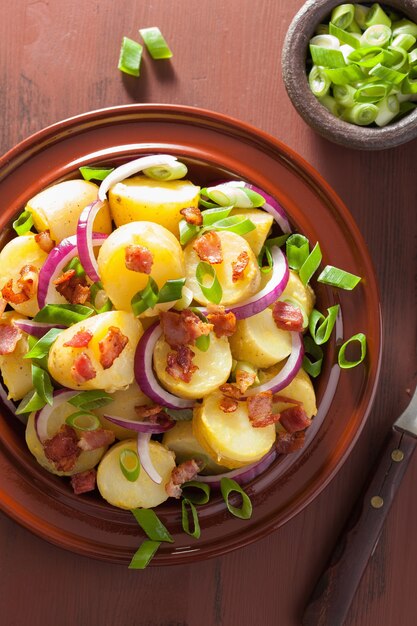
<point x="37" y="329"/>
<point x="142" y="427"/>
<point x="242" y="475"/>
<point x="272" y="207"/>
<point x="145" y="376"/>
<point x="145" y="457"/>
<point x="42" y="416"/>
<point x="85" y="240"/>
<point x="133" y="167"/>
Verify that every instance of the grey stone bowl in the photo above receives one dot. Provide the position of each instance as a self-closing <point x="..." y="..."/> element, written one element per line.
<point x="295" y="50"/>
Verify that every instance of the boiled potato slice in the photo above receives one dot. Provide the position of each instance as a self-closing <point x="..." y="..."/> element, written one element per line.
<point x="230" y="438"/>
<point x="86" y="460"/>
<point x="120" y="283"/>
<point x="232" y="245"/>
<point x="181" y="440"/>
<point x="16" y="254"/>
<point x="263" y="222"/>
<point x="140" y="198"/>
<point x="123" y="405"/>
<point x="303" y="294"/>
<point x="16" y="371"/>
<point x="57" y="208"/>
<point x="300" y="388"/>
<point x="143" y="492"/>
<point x="119" y="375"/>
<point x="258" y="340"/>
<point x="214" y="368"/>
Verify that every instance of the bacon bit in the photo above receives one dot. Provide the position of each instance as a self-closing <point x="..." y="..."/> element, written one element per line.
<point x="287" y="317"/>
<point x="183" y="328"/>
<point x="209" y="248"/>
<point x="28" y="281"/>
<point x="147" y="411"/>
<point x="231" y="391"/>
<point x="10" y="296"/>
<point x="181" y="474"/>
<point x="138" y="259"/>
<point x="228" y="405"/>
<point x="287" y="443"/>
<point x="192" y="215"/>
<point x="294" y="419"/>
<point x="239" y="266"/>
<point x="273" y="418"/>
<point x="74" y="288"/>
<point x="62" y="449"/>
<point x="244" y="379"/>
<point x="9" y="336"/>
<point x="84" y="481"/>
<point x="81" y="339"/>
<point x="44" y="241"/>
<point x="95" y="439"/>
<point x="111" y="346"/>
<point x="260" y="409"/>
<point x="82" y="368"/>
<point x="180" y="364"/>
<point x="224" y="324"/>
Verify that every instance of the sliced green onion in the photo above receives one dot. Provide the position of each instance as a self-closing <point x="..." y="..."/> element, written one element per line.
<point x="152" y="525"/>
<point x="196" y="532"/>
<point x="409" y="85"/>
<point x="146" y="298"/>
<point x="23" y="223"/>
<point x="404" y="41"/>
<point x="213" y="291"/>
<point x="372" y="92"/>
<point x="325" y="41"/>
<point x="404" y="27"/>
<point x="203" y="343"/>
<point x="92" y="399"/>
<point x="344" y="75"/>
<point x="342" y="15"/>
<point x="387" y="74"/>
<point x="166" y="172"/>
<point x="341" y="358"/>
<point x="144" y="554"/>
<point x="399" y="60"/>
<point x="245" y="366"/>
<point x="343" y="35"/>
<point x="210" y="216"/>
<point x="238" y="224"/>
<point x="81" y="420"/>
<point x="228" y="487"/>
<point x="42" y="384"/>
<point x="319" y="81"/>
<point x="327" y="57"/>
<point x="367" y="56"/>
<point x="180" y="415"/>
<point x="360" y="15"/>
<point x="42" y="346"/>
<point x="412" y="57"/>
<point x="387" y="110"/>
<point x="129" y="464"/>
<point x="206" y="204"/>
<point x="65" y="314"/>
<point x="331" y="105"/>
<point x="32" y="401"/>
<point x="196" y="492"/>
<point x="171" y="290"/>
<point x="320" y="326"/>
<point x="297" y="249"/>
<point x="336" y="277"/>
<point x="354" y="28"/>
<point x="376" y="35"/>
<point x="376" y="15"/>
<point x="99" y="298"/>
<point x="310" y="265"/>
<point x="344" y="95"/>
<point x="311" y="349"/>
<point x="362" y="114"/>
<point x="75" y="265"/>
<point x="155" y="43"/>
<point x="95" y="173"/>
<point x="235" y="194"/>
<point x="187" y="231"/>
<point x="130" y="57"/>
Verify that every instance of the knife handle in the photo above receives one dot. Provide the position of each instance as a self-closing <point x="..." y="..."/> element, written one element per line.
<point x="330" y="601"/>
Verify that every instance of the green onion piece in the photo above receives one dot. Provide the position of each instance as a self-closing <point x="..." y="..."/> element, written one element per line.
<point x="82" y="420"/>
<point x="144" y="554"/>
<point x="412" y="57"/>
<point x="238" y="224"/>
<point x="130" y="57"/>
<point x="196" y="532"/>
<point x="336" y="277"/>
<point x="387" y="74"/>
<point x="213" y="291"/>
<point x="155" y="43"/>
<point x="180" y="415"/>
<point x="65" y="314"/>
<point x="399" y="58"/>
<point x="344" y="95"/>
<point x="409" y="85"/>
<point x="331" y="105"/>
<point x="360" y="15"/>
<point x="152" y="525"/>
<point x="203" y="343"/>
<point x="30" y="402"/>
<point x="23" y="223"/>
<point x="376" y="35"/>
<point x="206" y="204"/>
<point x="196" y="492"/>
<point x="95" y="173"/>
<point x="171" y="290"/>
<point x="404" y="41"/>
<point x="327" y="57"/>
<point x="276" y="241"/>
<point x="75" y="265"/>
<point x="319" y="81"/>
<point x="404" y="27"/>
<point x="229" y="486"/>
<point x="214" y="215"/>
<point x="367" y="56"/>
<point x="311" y="349"/>
<point x="42" y="346"/>
<point x="343" y="35"/>
<point x="354" y="28"/>
<point x="343" y="15"/>
<point x="297" y="249"/>
<point x="99" y="298"/>
<point x="234" y="193"/>
<point x="325" y="41"/>
<point x="387" y="110"/>
<point x="344" y="75"/>
<point x="372" y="92"/>
<point x="265" y="252"/>
<point x="146" y="298"/>
<point x="341" y="358"/>
<point x="321" y="327"/>
<point x="405" y="107"/>
<point x="129" y="464"/>
<point x="166" y="172"/>
<point x="89" y="400"/>
<point x="42" y="384"/>
<point x="361" y="114"/>
<point x="376" y="15"/>
<point x="187" y="231"/>
<point x="310" y="264"/>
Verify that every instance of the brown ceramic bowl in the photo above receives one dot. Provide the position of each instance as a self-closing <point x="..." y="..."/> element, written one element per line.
<point x="213" y="146"/>
<point x="295" y="51"/>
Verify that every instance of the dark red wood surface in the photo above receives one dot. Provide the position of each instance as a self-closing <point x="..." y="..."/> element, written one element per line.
<point x="59" y="58"/>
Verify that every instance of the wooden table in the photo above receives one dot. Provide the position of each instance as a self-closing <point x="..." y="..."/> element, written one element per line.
<point x="59" y="58"/>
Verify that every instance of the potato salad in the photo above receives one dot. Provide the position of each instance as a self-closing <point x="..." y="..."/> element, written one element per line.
<point x="153" y="331"/>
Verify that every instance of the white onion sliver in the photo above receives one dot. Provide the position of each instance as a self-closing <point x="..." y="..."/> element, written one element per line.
<point x="145" y="457"/>
<point x="43" y="415"/>
<point x="141" y="427"/>
<point x="85" y="240"/>
<point x="242" y="475"/>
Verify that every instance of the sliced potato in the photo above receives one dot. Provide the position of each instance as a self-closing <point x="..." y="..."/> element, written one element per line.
<point x="230" y="438"/>
<point x="143" y="492"/>
<point x="16" y="371"/>
<point x="120" y="283"/>
<point x="119" y="375"/>
<point x="123" y="405"/>
<point x="263" y="222"/>
<point x="16" y="254"/>
<point x="303" y="294"/>
<point x="258" y="340"/>
<point x="57" y="208"/>
<point x="140" y="198"/>
<point x="232" y="245"/>
<point x="181" y="440"/>
<point x="300" y="388"/>
<point x="214" y="367"/>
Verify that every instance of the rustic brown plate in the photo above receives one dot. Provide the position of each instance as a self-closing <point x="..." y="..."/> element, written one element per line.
<point x="212" y="145"/>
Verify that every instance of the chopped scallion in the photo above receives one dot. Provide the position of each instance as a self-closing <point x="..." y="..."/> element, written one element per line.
<point x="41" y="348"/>
<point x="320" y="326"/>
<point x="185" y="505"/>
<point x="129" y="464"/>
<point x="146" y="298"/>
<point x="229" y="486"/>
<point x="130" y="57"/>
<point x="92" y="399"/>
<point x="310" y="265"/>
<point x="344" y="363"/>
<point x="65" y="314"/>
<point x="311" y="349"/>
<point x="342" y="15"/>
<point x="144" y="554"/>
<point x="336" y="277"/>
<point x="82" y="420"/>
<point x="155" y="43"/>
<point x="23" y="223"/>
<point x="187" y="231"/>
<point x="196" y="492"/>
<point x="152" y="525"/>
<point x="297" y="249"/>
<point x="95" y="173"/>
<point x="171" y="290"/>
<point x="213" y="290"/>
<point x="166" y="172"/>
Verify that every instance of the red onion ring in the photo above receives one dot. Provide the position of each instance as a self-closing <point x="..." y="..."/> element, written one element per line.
<point x="42" y="416"/>
<point x="37" y="329"/>
<point x="272" y="207"/>
<point x="142" y="427"/>
<point x="242" y="475"/>
<point x="85" y="240"/>
<point x="145" y="458"/>
<point x="145" y="376"/>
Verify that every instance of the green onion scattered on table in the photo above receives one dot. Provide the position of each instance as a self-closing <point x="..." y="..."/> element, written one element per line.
<point x="130" y="57"/>
<point x="155" y="43"/>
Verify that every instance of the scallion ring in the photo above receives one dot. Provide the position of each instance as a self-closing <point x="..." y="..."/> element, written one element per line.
<point x="23" y="223"/>
<point x="335" y="277"/>
<point x="344" y="363"/>
<point x="229" y="486"/>
<point x="196" y="532"/>
<point x="129" y="464"/>
<point x="83" y="420"/>
<point x="196" y="492"/>
<point x="212" y="291"/>
<point x="320" y="326"/>
<point x="144" y="554"/>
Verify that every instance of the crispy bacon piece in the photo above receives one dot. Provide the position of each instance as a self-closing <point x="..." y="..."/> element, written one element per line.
<point x="138" y="259"/>
<point x="13" y="297"/>
<point x="260" y="409"/>
<point x="228" y="405"/>
<point x="9" y="336"/>
<point x="28" y="281"/>
<point x="111" y="346"/>
<point x="224" y="324"/>
<point x="82" y="368"/>
<point x="244" y="379"/>
<point x="84" y="481"/>
<point x="180" y="364"/>
<point x="182" y="328"/>
<point x="3" y="305"/>
<point x="209" y="248"/>
<point x="62" y="449"/>
<point x="95" y="439"/>
<point x="44" y="241"/>
<point x="287" y="317"/>
<point x="231" y="391"/>
<point x="81" y="339"/>
<point x="74" y="288"/>
<point x="294" y="419"/>
<point x="239" y="266"/>
<point x="192" y="215"/>
<point x="287" y="443"/>
<point x="181" y="474"/>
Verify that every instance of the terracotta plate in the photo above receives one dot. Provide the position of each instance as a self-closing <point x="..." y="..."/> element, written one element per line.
<point x="213" y="146"/>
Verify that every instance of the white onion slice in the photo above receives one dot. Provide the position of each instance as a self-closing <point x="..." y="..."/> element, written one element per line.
<point x="142" y="427"/>
<point x="145" y="376"/>
<point x="242" y="475"/>
<point x="42" y="416"/>
<point x="85" y="240"/>
<point x="145" y="457"/>
<point x="133" y="167"/>
<point x="37" y="329"/>
<point x="272" y="207"/>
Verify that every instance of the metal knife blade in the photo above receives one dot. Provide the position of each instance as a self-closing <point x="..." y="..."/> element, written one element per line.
<point x="408" y="419"/>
